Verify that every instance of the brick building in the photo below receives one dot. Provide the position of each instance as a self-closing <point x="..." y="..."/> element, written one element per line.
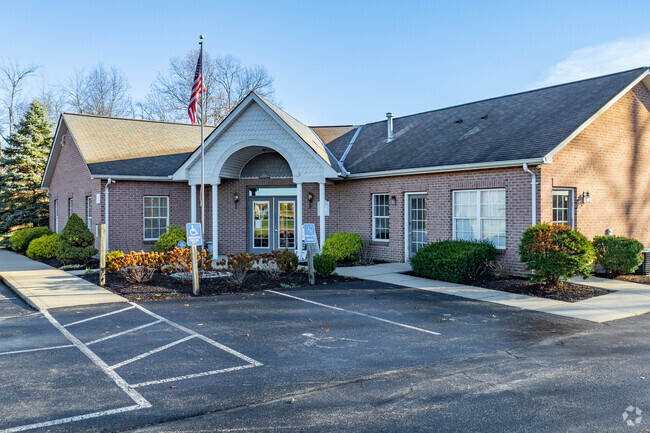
<point x="576" y="153"/>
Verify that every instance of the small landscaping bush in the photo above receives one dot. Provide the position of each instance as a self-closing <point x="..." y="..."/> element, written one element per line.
<point x="111" y="256"/>
<point x="617" y="254"/>
<point x="169" y="240"/>
<point x="286" y="261"/>
<point x="44" y="247"/>
<point x="343" y="246"/>
<point x="239" y="265"/>
<point x="556" y="251"/>
<point x="324" y="264"/>
<point x="76" y="243"/>
<point x="20" y="240"/>
<point x="453" y="261"/>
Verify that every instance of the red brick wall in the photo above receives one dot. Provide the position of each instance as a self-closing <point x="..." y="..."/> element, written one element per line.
<point x="610" y="159"/>
<point x="352" y="207"/>
<point x="71" y="179"/>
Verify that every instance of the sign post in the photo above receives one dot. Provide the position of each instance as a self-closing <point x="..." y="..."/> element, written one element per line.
<point x="309" y="231"/>
<point x="194" y="238"/>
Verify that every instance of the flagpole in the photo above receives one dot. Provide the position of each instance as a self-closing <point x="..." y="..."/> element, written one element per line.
<point x="202" y="151"/>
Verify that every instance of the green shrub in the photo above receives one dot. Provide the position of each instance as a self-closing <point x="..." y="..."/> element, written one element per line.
<point x="44" y="247"/>
<point x="21" y="239"/>
<point x="343" y="246"/>
<point x="286" y="261"/>
<point x="324" y="264"/>
<point x="453" y="261"/>
<point x="556" y="251"/>
<point x="76" y="242"/>
<point x="618" y="255"/>
<point x="169" y="240"/>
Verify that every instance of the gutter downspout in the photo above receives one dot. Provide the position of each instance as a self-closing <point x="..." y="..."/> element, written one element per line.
<point x="108" y="182"/>
<point x="533" y="192"/>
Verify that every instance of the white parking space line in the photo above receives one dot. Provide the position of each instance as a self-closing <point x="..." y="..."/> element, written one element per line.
<point x="97" y="317"/>
<point x="37" y="349"/>
<point x="71" y="419"/>
<point x="199" y="336"/>
<point x="354" y="312"/>
<point x="6" y="299"/>
<point x="18" y="316"/>
<point x="121" y="383"/>
<point x="192" y="376"/>
<point x="151" y="352"/>
<point x="137" y="328"/>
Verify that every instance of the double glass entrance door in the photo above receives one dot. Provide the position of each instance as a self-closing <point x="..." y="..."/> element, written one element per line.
<point x="271" y="224"/>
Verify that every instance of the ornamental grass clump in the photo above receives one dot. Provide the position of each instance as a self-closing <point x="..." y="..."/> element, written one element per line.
<point x="618" y="255"/>
<point x="453" y="261"/>
<point x="555" y="252"/>
<point x="76" y="243"/>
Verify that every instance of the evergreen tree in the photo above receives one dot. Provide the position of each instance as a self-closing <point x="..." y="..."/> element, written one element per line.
<point x="22" y="164"/>
<point x="76" y="242"/>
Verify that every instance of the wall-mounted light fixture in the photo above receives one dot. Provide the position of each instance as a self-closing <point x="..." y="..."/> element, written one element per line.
<point x="310" y="198"/>
<point x="393" y="200"/>
<point x="585" y="197"/>
<point x="235" y="198"/>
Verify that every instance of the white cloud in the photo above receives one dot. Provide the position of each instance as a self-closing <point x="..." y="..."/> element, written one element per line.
<point x="598" y="60"/>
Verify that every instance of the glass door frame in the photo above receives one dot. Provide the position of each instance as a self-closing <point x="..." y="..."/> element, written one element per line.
<point x="274" y="220"/>
<point x="407" y="221"/>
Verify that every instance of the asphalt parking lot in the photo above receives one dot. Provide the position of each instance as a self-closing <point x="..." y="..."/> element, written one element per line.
<point x="360" y="356"/>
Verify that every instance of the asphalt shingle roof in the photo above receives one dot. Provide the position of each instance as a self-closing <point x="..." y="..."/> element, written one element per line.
<point x="163" y="165"/>
<point x="526" y="125"/>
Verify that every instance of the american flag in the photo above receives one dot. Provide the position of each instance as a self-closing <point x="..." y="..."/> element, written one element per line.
<point x="196" y="91"/>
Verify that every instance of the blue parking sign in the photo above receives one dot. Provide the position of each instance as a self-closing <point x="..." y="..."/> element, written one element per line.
<point x="310" y="233"/>
<point x="193" y="234"/>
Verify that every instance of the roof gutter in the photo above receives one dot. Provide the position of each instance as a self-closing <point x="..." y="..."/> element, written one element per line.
<point x="449" y="168"/>
<point x="128" y="177"/>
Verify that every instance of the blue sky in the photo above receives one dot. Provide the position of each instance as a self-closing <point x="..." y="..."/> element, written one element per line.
<point x="341" y="62"/>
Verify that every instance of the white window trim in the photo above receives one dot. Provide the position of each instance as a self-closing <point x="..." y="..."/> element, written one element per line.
<point x="145" y="218"/>
<point x="372" y="202"/>
<point x="572" y="205"/>
<point x="268" y="236"/>
<point x="89" y="212"/>
<point x="479" y="218"/>
<point x="70" y="206"/>
<point x="406" y="220"/>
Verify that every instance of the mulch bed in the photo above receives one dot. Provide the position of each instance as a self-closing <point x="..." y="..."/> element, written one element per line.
<point x="641" y="279"/>
<point x="567" y="292"/>
<point x="352" y="263"/>
<point x="166" y="287"/>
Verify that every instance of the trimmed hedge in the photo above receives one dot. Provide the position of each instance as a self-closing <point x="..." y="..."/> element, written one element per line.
<point x="452" y="261"/>
<point x="343" y="246"/>
<point x="324" y="264"/>
<point x="617" y="254"/>
<point x="76" y="243"/>
<point x="44" y="247"/>
<point x="169" y="240"/>
<point x="556" y="251"/>
<point x="21" y="239"/>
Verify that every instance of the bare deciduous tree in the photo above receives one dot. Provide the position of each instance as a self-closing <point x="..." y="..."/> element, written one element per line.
<point x="226" y="82"/>
<point x="99" y="91"/>
<point x="12" y="77"/>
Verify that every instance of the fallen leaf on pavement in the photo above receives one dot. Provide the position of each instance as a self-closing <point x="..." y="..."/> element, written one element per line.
<point x="326" y="330"/>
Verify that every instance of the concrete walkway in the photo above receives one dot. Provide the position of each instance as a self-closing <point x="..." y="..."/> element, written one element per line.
<point x="44" y="287"/>
<point x="629" y="299"/>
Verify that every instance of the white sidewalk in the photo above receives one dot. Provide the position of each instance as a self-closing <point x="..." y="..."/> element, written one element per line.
<point x="629" y="299"/>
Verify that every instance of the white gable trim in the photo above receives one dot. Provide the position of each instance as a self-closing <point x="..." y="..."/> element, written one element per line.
<point x="598" y="113"/>
<point x="183" y="171"/>
<point x="53" y="157"/>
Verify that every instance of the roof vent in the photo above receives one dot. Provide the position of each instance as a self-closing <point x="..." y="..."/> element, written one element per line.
<point x="389" y="123"/>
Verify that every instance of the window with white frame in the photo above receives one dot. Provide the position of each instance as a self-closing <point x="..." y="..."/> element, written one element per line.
<point x="481" y="215"/>
<point x="563" y="206"/>
<point x="70" y="211"/>
<point x="89" y="213"/>
<point x="156" y="216"/>
<point x="380" y="213"/>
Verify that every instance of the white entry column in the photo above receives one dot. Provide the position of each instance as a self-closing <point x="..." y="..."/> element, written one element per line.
<point x="298" y="227"/>
<point x="193" y="203"/>
<point x="215" y="220"/>
<point x="321" y="211"/>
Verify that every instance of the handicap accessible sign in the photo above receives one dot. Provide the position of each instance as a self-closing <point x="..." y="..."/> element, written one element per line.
<point x="310" y="233"/>
<point x="193" y="234"/>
